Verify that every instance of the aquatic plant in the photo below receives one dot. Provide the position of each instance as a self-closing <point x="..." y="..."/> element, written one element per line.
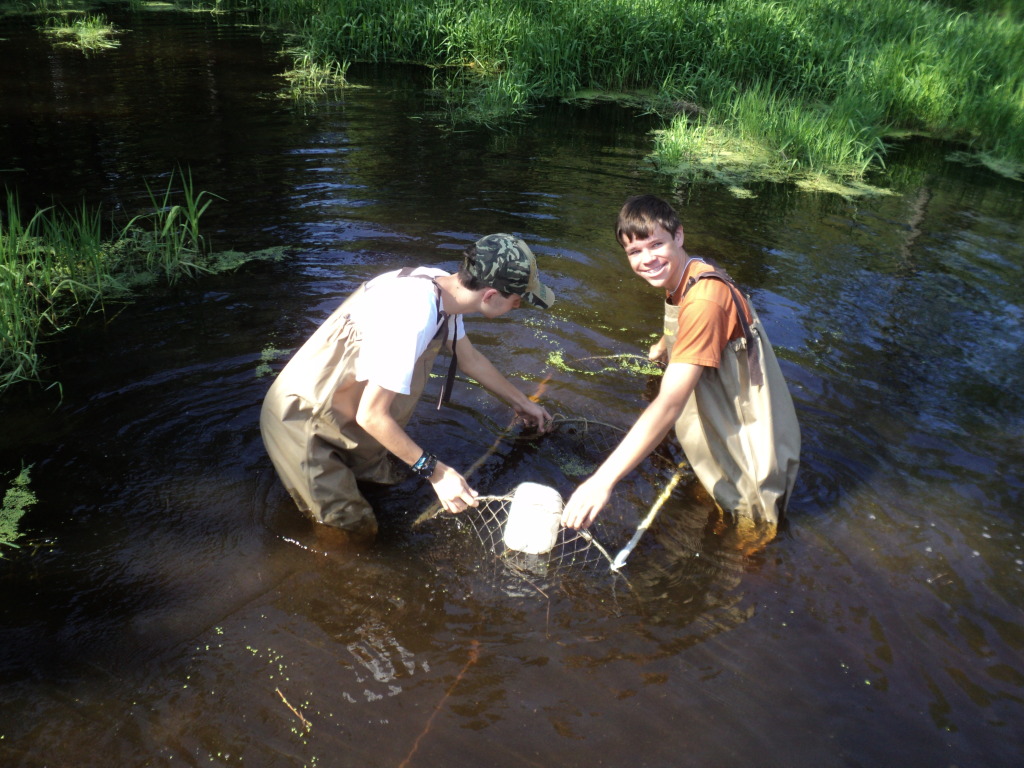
<point x="17" y="499"/>
<point x="268" y="356"/>
<point x="636" y="365"/>
<point x="807" y="90"/>
<point x="39" y="278"/>
<point x="87" y="33"/>
<point x="312" y="75"/>
<point x="60" y="265"/>
<point x="761" y="136"/>
<point x="173" y="243"/>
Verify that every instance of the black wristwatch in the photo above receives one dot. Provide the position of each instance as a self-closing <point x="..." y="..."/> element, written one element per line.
<point x="424" y="466"/>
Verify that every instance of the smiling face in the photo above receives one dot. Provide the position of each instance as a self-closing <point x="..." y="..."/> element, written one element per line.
<point x="657" y="258"/>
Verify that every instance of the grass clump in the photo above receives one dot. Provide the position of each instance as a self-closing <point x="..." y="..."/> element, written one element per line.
<point x="58" y="266"/>
<point x="760" y="136"/>
<point x="88" y="33"/>
<point x="803" y="90"/>
<point x="312" y="75"/>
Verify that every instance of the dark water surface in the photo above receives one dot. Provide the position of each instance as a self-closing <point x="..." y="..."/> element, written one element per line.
<point x="171" y="607"/>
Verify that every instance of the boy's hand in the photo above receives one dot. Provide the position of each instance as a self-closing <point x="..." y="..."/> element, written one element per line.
<point x="658" y="352"/>
<point x="452" y="489"/>
<point x="534" y="415"/>
<point x="583" y="506"/>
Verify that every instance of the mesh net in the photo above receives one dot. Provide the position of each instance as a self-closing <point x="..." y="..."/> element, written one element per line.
<point x="561" y="458"/>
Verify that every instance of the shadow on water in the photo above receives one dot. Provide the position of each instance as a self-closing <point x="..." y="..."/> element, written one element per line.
<point x="170" y="604"/>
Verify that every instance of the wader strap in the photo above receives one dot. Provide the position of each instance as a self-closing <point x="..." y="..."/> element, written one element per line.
<point x="443" y="317"/>
<point x="753" y="350"/>
<point x="449" y="381"/>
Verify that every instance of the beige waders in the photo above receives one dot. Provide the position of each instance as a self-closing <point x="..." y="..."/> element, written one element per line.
<point x="739" y="429"/>
<point x="318" y="459"/>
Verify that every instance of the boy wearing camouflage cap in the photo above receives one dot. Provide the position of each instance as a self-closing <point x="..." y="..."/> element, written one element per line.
<point x="341" y="404"/>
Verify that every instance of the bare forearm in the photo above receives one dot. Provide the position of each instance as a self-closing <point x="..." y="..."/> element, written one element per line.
<point x="386" y="431"/>
<point x="591" y="496"/>
<point x="644" y="436"/>
<point x="374" y="415"/>
<point x="478" y="367"/>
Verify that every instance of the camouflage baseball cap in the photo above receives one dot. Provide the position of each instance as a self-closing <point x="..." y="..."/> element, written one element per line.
<point x="506" y="263"/>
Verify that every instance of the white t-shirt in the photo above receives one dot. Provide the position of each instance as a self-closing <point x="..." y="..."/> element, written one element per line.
<point x="398" y="318"/>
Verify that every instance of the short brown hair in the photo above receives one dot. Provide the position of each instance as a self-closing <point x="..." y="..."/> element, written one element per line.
<point x="639" y="215"/>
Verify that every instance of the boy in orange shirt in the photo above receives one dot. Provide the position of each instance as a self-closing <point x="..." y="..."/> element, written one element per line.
<point x="722" y="389"/>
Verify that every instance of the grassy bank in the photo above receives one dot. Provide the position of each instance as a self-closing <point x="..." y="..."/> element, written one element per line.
<point x="804" y="90"/>
<point x="57" y="266"/>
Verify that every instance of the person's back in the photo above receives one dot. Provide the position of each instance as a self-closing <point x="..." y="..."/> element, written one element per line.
<point x="336" y="415"/>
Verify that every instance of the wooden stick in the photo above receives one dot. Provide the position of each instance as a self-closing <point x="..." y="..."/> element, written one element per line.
<point x="474" y="654"/>
<point x="435" y="508"/>
<point x="620" y="559"/>
<point x="308" y="726"/>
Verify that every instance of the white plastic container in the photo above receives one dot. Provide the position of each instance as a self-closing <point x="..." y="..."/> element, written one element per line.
<point x="534" y="518"/>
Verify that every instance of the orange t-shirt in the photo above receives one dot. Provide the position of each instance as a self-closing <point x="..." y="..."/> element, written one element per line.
<point x="707" y="318"/>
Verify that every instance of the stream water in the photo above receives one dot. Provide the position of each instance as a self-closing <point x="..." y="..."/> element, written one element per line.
<point x="170" y="606"/>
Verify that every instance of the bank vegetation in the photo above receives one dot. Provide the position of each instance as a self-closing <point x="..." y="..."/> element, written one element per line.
<point x="812" y="91"/>
<point x="57" y="266"/>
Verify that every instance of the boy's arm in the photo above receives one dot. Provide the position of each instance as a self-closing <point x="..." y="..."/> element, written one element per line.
<point x="654" y="423"/>
<point x="374" y="415"/>
<point x="658" y="352"/>
<point x="475" y="365"/>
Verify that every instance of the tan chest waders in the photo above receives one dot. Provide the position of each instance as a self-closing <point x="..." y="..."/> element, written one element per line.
<point x="739" y="429"/>
<point x="318" y="458"/>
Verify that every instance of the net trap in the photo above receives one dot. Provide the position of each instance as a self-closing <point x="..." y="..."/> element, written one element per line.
<point x="520" y="534"/>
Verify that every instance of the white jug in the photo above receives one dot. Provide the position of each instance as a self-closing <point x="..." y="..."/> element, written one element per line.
<point x="534" y="519"/>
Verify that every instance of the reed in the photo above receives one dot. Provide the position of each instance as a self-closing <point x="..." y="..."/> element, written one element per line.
<point x="172" y="244"/>
<point x="38" y="283"/>
<point x="840" y="76"/>
<point x="59" y="265"/>
<point x="313" y="74"/>
<point x="88" y="32"/>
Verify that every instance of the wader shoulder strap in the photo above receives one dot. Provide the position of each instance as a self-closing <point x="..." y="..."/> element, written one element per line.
<point x="442" y="317"/>
<point x="753" y="350"/>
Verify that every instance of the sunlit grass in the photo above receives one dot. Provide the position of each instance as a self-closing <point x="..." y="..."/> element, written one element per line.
<point x="87" y="33"/>
<point x="837" y="77"/>
<point x="763" y="136"/>
<point x="16" y="501"/>
<point x="312" y="75"/>
<point x="41" y="7"/>
<point x="58" y="266"/>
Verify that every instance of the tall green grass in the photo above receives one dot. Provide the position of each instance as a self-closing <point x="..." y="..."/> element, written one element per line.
<point x="77" y="29"/>
<point x="815" y="86"/>
<point x="312" y="75"/>
<point x="57" y="266"/>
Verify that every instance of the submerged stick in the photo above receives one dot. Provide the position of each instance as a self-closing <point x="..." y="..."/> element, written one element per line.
<point x="474" y="654"/>
<point x="620" y="559"/>
<point x="295" y="712"/>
